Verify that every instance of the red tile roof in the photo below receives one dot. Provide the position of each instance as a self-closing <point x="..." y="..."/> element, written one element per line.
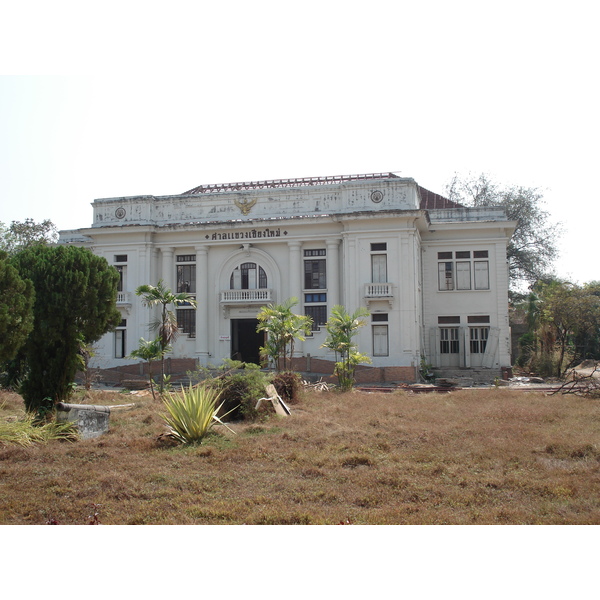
<point x="431" y="200"/>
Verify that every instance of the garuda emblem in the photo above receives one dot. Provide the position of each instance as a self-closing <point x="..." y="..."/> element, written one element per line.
<point x="245" y="205"/>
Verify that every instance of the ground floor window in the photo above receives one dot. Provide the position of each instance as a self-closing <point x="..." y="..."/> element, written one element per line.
<point x="318" y="314"/>
<point x="478" y="339"/>
<point x="380" y="340"/>
<point x="120" y="340"/>
<point x="186" y="321"/>
<point x="449" y="343"/>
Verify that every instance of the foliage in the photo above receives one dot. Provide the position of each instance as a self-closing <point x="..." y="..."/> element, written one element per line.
<point x="166" y="325"/>
<point x="75" y="304"/>
<point x="239" y="384"/>
<point x="341" y="328"/>
<point x="20" y="235"/>
<point x="283" y="327"/>
<point x="534" y="244"/>
<point x="426" y="370"/>
<point x="191" y="413"/>
<point x="16" y="310"/>
<point x="288" y="385"/>
<point x="27" y="431"/>
<point x="149" y="351"/>
<point x="563" y="326"/>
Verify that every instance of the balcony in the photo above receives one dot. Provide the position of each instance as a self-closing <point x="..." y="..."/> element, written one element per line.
<point x="379" y="291"/>
<point x="261" y="296"/>
<point x="123" y="298"/>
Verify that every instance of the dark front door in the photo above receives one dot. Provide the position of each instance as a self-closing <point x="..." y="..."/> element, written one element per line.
<point x="246" y="341"/>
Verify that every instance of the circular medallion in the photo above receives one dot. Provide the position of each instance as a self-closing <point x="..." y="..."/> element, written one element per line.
<point x="376" y="196"/>
<point x="120" y="213"/>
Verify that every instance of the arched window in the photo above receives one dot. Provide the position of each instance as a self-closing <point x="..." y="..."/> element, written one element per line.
<point x="248" y="276"/>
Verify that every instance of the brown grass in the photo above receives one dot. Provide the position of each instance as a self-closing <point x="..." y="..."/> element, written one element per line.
<point x="468" y="457"/>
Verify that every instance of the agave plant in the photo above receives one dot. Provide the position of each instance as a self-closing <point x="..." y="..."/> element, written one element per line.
<point x="191" y="413"/>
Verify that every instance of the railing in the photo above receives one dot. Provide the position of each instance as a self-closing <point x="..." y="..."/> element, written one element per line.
<point x="241" y="296"/>
<point x="378" y="290"/>
<point x="123" y="298"/>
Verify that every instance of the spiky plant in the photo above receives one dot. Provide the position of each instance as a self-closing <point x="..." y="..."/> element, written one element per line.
<point x="192" y="413"/>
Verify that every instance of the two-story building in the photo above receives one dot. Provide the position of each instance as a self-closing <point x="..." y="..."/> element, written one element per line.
<point x="432" y="274"/>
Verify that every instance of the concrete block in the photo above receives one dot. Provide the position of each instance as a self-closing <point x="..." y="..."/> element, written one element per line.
<point x="91" y="421"/>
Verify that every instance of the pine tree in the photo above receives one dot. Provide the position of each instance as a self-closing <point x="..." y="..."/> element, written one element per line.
<point x="75" y="304"/>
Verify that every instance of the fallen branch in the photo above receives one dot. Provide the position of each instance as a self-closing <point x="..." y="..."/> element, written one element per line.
<point x="581" y="385"/>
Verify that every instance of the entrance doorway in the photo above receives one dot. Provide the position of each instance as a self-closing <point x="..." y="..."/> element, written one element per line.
<point x="246" y="341"/>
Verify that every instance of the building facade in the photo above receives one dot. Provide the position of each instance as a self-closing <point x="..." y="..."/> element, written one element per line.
<point x="432" y="274"/>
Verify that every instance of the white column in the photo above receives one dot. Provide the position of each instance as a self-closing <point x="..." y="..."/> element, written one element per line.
<point x="333" y="272"/>
<point x="202" y="289"/>
<point x="168" y="267"/>
<point x="295" y="283"/>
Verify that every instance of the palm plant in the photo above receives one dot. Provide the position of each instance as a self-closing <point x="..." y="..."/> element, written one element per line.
<point x="191" y="413"/>
<point x="166" y="325"/>
<point x="283" y="327"/>
<point x="341" y="328"/>
<point x="149" y="351"/>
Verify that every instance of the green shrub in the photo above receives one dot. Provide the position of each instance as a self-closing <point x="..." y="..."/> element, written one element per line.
<point x="240" y="385"/>
<point x="191" y="413"/>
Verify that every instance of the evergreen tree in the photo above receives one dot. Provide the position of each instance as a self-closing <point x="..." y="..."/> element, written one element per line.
<point x="75" y="304"/>
<point x="16" y="309"/>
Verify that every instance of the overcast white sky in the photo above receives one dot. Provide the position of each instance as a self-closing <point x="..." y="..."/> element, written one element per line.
<point x="122" y="98"/>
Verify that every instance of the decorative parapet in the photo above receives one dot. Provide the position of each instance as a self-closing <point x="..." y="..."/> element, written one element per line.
<point x="246" y="296"/>
<point x="123" y="298"/>
<point x="379" y="291"/>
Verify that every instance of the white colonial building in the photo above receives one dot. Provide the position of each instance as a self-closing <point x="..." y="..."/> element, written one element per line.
<point x="433" y="274"/>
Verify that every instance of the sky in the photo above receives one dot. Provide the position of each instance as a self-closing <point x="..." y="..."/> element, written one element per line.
<point x="127" y="98"/>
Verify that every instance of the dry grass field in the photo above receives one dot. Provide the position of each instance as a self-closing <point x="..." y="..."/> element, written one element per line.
<point x="493" y="456"/>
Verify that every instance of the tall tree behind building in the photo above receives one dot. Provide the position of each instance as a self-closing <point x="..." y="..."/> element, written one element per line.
<point x="533" y="247"/>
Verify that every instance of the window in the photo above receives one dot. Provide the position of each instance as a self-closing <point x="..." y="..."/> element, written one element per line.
<point x="315" y="271"/>
<point x="378" y="268"/>
<point x="186" y="274"/>
<point x="465" y="273"/>
<point x="380" y="340"/>
<point x="186" y="279"/>
<point x="478" y="339"/>
<point x="446" y="276"/>
<point x="186" y="321"/>
<point x="379" y="317"/>
<point x="380" y="247"/>
<point x="478" y="319"/>
<point x="248" y="276"/>
<point x="448" y="320"/>
<point x="379" y="263"/>
<point x="308" y="298"/>
<point x="120" y="340"/>
<point x="482" y="275"/>
<point x="318" y="314"/>
<point x="449" y="340"/>
<point x="121" y="270"/>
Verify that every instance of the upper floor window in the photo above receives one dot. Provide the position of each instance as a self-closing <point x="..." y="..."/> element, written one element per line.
<point x="462" y="270"/>
<point x="121" y="271"/>
<point x="186" y="273"/>
<point x="248" y="276"/>
<point x="379" y="263"/>
<point x="315" y="270"/>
